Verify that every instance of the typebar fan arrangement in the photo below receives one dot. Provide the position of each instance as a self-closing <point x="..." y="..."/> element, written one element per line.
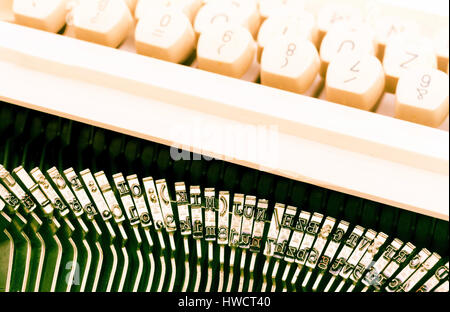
<point x="86" y="209"/>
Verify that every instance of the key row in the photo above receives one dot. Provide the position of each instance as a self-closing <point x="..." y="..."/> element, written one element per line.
<point x="291" y="46"/>
<point x="339" y="255"/>
<point x="100" y="17"/>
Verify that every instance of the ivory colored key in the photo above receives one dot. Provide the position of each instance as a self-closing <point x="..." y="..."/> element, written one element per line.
<point x="403" y="54"/>
<point x="355" y="80"/>
<point x="296" y="25"/>
<point x="105" y="22"/>
<point x="226" y="49"/>
<point x="188" y="7"/>
<point x="386" y="28"/>
<point x="48" y="15"/>
<point x="333" y="14"/>
<point x="240" y="12"/>
<point x="290" y="64"/>
<point x="166" y="35"/>
<point x="343" y="39"/>
<point x="270" y="7"/>
<point x="422" y="96"/>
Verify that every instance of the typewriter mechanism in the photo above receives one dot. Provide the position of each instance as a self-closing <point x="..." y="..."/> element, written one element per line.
<point x="88" y="209"/>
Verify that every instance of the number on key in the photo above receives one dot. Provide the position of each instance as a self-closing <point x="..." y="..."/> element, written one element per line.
<point x="401" y="55"/>
<point x="343" y="40"/>
<point x="48" y="15"/>
<point x="355" y="80"/>
<point x="290" y="64"/>
<point x="106" y="22"/>
<point x="166" y="35"/>
<point x="422" y="96"/>
<point x="226" y="49"/>
<point x="295" y="25"/>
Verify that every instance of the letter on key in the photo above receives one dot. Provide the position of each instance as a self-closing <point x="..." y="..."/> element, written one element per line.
<point x="46" y="15"/>
<point x="422" y="96"/>
<point x="343" y="40"/>
<point x="355" y="80"/>
<point x="227" y="49"/>
<point x="106" y="22"/>
<point x="166" y="35"/>
<point x="401" y="55"/>
<point x="290" y="64"/>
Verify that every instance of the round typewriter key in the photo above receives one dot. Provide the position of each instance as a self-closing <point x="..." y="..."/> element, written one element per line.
<point x="388" y="27"/>
<point x="355" y="80"/>
<point x="102" y="22"/>
<point x="226" y="49"/>
<point x="344" y="40"/>
<point x="403" y="54"/>
<point x="166" y="35"/>
<point x="228" y="12"/>
<point x="292" y="24"/>
<point x="48" y="15"/>
<point x="289" y="63"/>
<point x="332" y="15"/>
<point x="422" y="96"/>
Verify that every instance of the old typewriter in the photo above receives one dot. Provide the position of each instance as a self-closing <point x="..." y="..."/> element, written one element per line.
<point x="223" y="145"/>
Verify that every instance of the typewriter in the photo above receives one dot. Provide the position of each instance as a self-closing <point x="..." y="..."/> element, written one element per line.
<point x="223" y="145"/>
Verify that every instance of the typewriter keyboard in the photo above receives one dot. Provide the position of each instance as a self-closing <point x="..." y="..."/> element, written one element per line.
<point x="355" y="53"/>
<point x="86" y="209"/>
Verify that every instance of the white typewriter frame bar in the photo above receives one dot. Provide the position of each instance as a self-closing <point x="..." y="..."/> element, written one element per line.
<point x="356" y="152"/>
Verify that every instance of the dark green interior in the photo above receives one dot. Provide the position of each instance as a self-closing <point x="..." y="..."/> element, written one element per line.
<point x="30" y="138"/>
